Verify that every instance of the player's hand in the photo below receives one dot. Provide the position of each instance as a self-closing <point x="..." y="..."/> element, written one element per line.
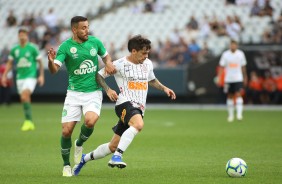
<point x="40" y="80"/>
<point x="51" y="54"/>
<point x="4" y="81"/>
<point x="170" y="93"/>
<point x="110" y="68"/>
<point x="112" y="95"/>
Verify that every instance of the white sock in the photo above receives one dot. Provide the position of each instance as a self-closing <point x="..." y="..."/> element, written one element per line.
<point x="230" y="107"/>
<point x="100" y="152"/>
<point x="126" y="139"/>
<point x="239" y="106"/>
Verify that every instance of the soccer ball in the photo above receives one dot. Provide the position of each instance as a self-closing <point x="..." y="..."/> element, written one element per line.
<point x="236" y="167"/>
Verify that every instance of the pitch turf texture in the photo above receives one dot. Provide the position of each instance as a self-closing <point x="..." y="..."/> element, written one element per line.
<point x="175" y="146"/>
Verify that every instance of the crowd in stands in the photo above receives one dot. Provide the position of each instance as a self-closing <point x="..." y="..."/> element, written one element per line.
<point x="180" y="48"/>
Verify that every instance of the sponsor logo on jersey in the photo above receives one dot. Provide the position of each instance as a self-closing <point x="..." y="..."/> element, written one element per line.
<point x="137" y="85"/>
<point x="86" y="67"/>
<point x="93" y="52"/>
<point x="73" y="50"/>
<point x="23" y="63"/>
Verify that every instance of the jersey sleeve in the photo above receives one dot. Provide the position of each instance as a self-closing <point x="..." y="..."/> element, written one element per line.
<point x="222" y="61"/>
<point x="37" y="54"/>
<point x="61" y="56"/>
<point x="151" y="75"/>
<point x="11" y="55"/>
<point x="116" y="63"/>
<point x="101" y="49"/>
<point x="243" y="61"/>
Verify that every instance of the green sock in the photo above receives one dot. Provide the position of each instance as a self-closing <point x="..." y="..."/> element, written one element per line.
<point x="84" y="134"/>
<point x="65" y="149"/>
<point x="27" y="111"/>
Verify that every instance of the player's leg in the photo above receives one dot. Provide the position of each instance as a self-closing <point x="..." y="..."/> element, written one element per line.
<point x="67" y="129"/>
<point x="25" y="89"/>
<point x="229" y="101"/>
<point x="100" y="152"/>
<point x="239" y="100"/>
<point x="70" y="116"/>
<point x="91" y="107"/>
<point x="135" y="125"/>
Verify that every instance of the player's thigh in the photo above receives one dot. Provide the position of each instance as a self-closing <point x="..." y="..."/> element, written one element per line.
<point x="26" y="84"/>
<point x="72" y="110"/>
<point x="92" y="104"/>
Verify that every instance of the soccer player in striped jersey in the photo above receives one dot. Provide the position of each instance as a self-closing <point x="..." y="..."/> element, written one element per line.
<point x="234" y="62"/>
<point x="26" y="57"/>
<point x="134" y="74"/>
<point x="84" y="95"/>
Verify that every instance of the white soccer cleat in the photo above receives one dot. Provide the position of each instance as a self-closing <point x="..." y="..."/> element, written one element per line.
<point x="67" y="171"/>
<point x="77" y="153"/>
<point x="239" y="117"/>
<point x="230" y="119"/>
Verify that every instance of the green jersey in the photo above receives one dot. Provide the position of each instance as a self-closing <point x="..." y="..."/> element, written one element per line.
<point x="81" y="61"/>
<point x="26" y="60"/>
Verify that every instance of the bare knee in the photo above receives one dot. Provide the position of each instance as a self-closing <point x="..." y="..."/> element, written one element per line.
<point x="90" y="119"/>
<point x="67" y="132"/>
<point x="112" y="147"/>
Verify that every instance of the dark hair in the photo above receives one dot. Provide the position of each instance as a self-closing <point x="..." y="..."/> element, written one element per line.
<point x="138" y="43"/>
<point x="22" y="30"/>
<point x="75" y="20"/>
<point x="233" y="41"/>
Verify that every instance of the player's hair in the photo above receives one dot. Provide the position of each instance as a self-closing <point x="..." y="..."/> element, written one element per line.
<point x="75" y="20"/>
<point x="233" y="41"/>
<point x="22" y="30"/>
<point x="138" y="43"/>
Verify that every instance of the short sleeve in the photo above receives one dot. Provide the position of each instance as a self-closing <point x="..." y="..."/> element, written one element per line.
<point x="61" y="56"/>
<point x="101" y="49"/>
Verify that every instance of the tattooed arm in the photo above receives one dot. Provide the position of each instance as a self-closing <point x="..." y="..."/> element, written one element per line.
<point x="110" y="93"/>
<point x="158" y="85"/>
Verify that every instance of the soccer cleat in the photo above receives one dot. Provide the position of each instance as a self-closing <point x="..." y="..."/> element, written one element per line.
<point x="67" y="171"/>
<point x="239" y="117"/>
<point x="77" y="153"/>
<point x="116" y="162"/>
<point x="76" y="169"/>
<point x="27" y="125"/>
<point x="230" y="119"/>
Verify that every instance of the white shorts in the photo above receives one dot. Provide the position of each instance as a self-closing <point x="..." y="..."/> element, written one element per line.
<point x="77" y="103"/>
<point x="24" y="84"/>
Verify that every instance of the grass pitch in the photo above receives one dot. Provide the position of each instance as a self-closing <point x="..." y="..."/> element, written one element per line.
<point x="175" y="146"/>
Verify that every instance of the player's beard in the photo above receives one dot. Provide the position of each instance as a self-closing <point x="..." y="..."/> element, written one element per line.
<point x="82" y="38"/>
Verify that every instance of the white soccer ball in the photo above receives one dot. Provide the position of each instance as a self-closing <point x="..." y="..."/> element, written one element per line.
<point x="236" y="167"/>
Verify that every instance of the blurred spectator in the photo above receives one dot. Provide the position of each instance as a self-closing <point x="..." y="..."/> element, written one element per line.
<point x="174" y="37"/>
<point x="254" y="88"/>
<point x="5" y="92"/>
<point x="194" y="50"/>
<point x="268" y="9"/>
<point x="148" y="7"/>
<point x="233" y="29"/>
<point x="205" y="29"/>
<point x="256" y="10"/>
<point x="192" y="24"/>
<point x="158" y="6"/>
<point x="278" y="94"/>
<point x="51" y="21"/>
<point x="205" y="54"/>
<point x="269" y="89"/>
<point x="11" y="19"/>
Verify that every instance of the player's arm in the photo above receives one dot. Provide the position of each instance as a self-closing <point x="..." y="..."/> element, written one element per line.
<point x="109" y="67"/>
<point x="110" y="93"/>
<point x="245" y="77"/>
<point x="41" y="72"/>
<point x="158" y="85"/>
<point x="9" y="66"/>
<point x="53" y="68"/>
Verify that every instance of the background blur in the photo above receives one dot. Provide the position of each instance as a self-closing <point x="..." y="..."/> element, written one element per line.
<point x="188" y="39"/>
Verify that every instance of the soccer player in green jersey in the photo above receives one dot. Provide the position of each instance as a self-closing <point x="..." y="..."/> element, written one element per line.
<point x="26" y="56"/>
<point x="84" y="95"/>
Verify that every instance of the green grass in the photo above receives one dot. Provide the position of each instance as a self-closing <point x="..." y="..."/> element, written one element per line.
<point x="175" y="146"/>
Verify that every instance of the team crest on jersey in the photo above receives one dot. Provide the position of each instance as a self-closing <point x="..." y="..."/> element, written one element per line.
<point x="87" y="66"/>
<point x="93" y="52"/>
<point x="73" y="50"/>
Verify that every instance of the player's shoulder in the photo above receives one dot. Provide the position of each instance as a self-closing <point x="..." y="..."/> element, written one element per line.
<point x="32" y="45"/>
<point x="148" y="62"/>
<point x="119" y="62"/>
<point x="93" y="39"/>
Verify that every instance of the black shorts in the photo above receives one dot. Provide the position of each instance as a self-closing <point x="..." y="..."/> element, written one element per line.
<point x="124" y="111"/>
<point x="233" y="87"/>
